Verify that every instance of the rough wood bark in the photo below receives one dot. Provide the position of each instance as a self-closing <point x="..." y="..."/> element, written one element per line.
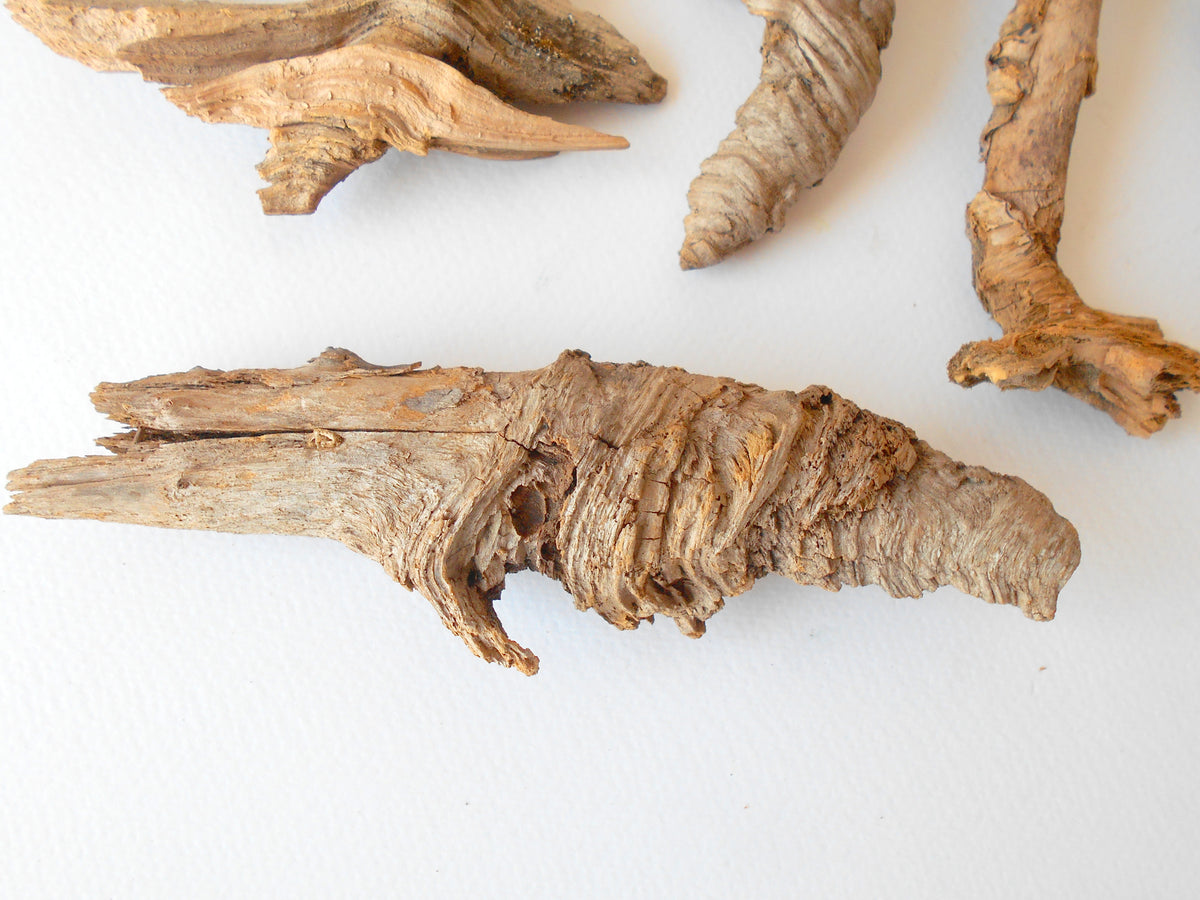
<point x="1039" y="72"/>
<point x="381" y="69"/>
<point x="644" y="490"/>
<point x="820" y="69"/>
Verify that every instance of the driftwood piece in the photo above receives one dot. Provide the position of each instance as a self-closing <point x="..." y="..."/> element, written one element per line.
<point x="644" y="490"/>
<point x="379" y="97"/>
<point x="820" y="69"/>
<point x="526" y="51"/>
<point x="338" y="81"/>
<point x="1039" y="72"/>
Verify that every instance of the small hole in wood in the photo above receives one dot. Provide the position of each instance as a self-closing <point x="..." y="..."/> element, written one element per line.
<point x="527" y="507"/>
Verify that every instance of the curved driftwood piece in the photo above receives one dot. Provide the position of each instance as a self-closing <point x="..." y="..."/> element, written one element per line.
<point x="379" y="97"/>
<point x="820" y="69"/>
<point x="527" y="51"/>
<point x="338" y="81"/>
<point x="644" y="490"/>
<point x="1039" y="72"/>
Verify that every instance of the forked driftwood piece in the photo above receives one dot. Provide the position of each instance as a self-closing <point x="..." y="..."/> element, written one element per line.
<point x="644" y="490"/>
<point x="1038" y="74"/>
<point x="820" y="69"/>
<point x="338" y="81"/>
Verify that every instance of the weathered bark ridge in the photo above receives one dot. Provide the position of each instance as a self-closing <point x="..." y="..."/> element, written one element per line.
<point x="1039" y="72"/>
<point x="644" y="490"/>
<point x="338" y="81"/>
<point x="820" y="69"/>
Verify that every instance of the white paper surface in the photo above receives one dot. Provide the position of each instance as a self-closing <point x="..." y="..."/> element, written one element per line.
<point x="185" y="714"/>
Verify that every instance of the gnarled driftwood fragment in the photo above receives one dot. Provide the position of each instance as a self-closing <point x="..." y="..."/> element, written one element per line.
<point x="339" y="81"/>
<point x="1039" y="72"/>
<point x="379" y="97"/>
<point x="820" y="70"/>
<point x="644" y="490"/>
<point x="526" y="51"/>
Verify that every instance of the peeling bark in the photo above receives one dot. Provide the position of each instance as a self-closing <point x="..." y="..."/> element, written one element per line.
<point x="1039" y="72"/>
<point x="644" y="490"/>
<point x="820" y="69"/>
<point x="400" y="72"/>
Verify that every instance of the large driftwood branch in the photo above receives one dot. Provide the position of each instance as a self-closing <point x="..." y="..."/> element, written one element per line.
<point x="820" y="70"/>
<point x="1039" y="72"/>
<point x="338" y="81"/>
<point x="643" y="490"/>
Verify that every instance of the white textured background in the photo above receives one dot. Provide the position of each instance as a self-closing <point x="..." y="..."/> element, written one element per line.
<point x="186" y="714"/>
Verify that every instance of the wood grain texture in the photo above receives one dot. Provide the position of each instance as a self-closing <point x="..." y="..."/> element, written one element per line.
<point x="644" y="490"/>
<point x="521" y="50"/>
<point x="1039" y="72"/>
<point x="821" y="66"/>
<point x="339" y="81"/>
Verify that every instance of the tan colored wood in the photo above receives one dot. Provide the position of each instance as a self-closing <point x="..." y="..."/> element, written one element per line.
<point x="526" y="51"/>
<point x="820" y="69"/>
<point x="1039" y="72"/>
<point x="339" y="81"/>
<point x="379" y="97"/>
<point x="644" y="490"/>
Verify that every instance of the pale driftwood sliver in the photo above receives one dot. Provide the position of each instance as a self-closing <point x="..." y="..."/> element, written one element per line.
<point x="1040" y="71"/>
<point x="644" y="490"/>
<point x="339" y="81"/>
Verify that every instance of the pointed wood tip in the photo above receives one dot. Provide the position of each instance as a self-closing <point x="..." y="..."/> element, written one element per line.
<point x="598" y="140"/>
<point x="698" y="253"/>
